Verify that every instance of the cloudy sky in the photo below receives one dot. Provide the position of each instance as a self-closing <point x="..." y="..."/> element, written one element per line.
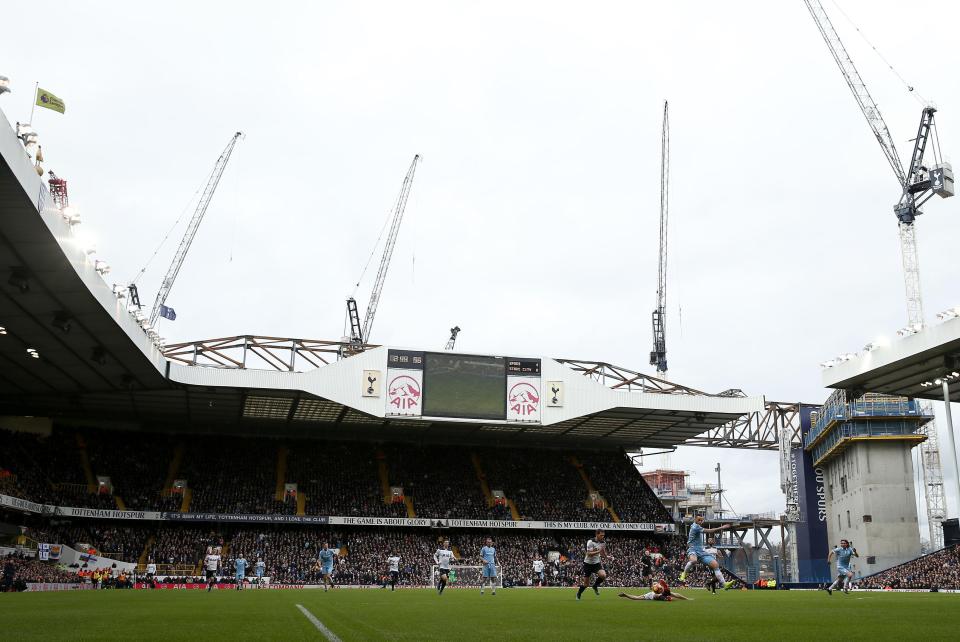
<point x="533" y="218"/>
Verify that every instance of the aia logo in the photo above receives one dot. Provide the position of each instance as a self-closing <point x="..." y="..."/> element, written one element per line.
<point x="524" y="399"/>
<point x="404" y="392"/>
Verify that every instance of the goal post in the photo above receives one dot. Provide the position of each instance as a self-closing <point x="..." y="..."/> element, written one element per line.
<point x="466" y="576"/>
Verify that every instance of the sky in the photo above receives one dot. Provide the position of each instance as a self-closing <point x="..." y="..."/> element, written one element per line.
<point x="533" y="219"/>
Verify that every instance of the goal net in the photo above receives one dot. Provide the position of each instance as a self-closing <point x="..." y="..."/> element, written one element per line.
<point x="468" y="576"/>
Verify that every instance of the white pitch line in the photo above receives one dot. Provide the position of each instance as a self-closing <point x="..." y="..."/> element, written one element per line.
<point x="327" y="633"/>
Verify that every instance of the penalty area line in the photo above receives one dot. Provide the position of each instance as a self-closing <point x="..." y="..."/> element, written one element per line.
<point x="327" y="633"/>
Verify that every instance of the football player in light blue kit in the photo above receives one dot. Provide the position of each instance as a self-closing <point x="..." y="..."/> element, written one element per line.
<point x="240" y="564"/>
<point x="325" y="560"/>
<point x="695" y="551"/>
<point x="489" y="556"/>
<point x="843" y="553"/>
<point x="259" y="569"/>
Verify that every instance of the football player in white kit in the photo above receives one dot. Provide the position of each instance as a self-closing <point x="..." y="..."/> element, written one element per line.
<point x="443" y="557"/>
<point x="538" y="571"/>
<point x="151" y="572"/>
<point x="212" y="564"/>
<point x="592" y="565"/>
<point x="393" y="563"/>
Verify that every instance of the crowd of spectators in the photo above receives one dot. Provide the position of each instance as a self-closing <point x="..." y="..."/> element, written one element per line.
<point x="16" y="571"/>
<point x="182" y="546"/>
<point x="21" y="474"/>
<point x="441" y="481"/>
<point x="290" y="552"/>
<point x="240" y="475"/>
<point x="339" y="479"/>
<point x="618" y="482"/>
<point x="230" y="475"/>
<point x="138" y="479"/>
<point x="939" y="570"/>
<point x="124" y="543"/>
<point x="544" y="485"/>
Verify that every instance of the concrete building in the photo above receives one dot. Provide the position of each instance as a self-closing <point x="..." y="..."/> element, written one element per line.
<point x="863" y="449"/>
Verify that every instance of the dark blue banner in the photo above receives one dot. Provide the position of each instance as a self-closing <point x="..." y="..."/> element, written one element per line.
<point x="812" y="500"/>
<point x="234" y="517"/>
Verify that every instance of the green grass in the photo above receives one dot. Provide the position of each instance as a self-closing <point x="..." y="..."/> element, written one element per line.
<point x="462" y="614"/>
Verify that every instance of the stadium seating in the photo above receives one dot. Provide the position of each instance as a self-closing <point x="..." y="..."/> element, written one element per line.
<point x="290" y="552"/>
<point x="334" y="478"/>
<point x="940" y="570"/>
<point x="339" y="479"/>
<point x="441" y="482"/>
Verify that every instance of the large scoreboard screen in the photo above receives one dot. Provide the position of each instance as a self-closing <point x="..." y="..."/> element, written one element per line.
<point x="457" y="385"/>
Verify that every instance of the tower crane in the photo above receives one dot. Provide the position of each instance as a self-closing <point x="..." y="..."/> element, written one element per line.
<point x="454" y="331"/>
<point x="658" y="356"/>
<point x="359" y="334"/>
<point x="918" y="183"/>
<point x="192" y="227"/>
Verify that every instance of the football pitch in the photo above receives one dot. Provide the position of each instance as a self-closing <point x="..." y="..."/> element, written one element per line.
<point x="462" y="614"/>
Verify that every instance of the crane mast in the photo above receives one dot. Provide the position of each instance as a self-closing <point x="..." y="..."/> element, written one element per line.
<point x="191" y="232"/>
<point x="452" y="341"/>
<point x="918" y="184"/>
<point x="361" y="334"/>
<point x="658" y="356"/>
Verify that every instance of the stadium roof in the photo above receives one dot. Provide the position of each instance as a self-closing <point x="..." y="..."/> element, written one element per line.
<point x="907" y="367"/>
<point x="70" y="350"/>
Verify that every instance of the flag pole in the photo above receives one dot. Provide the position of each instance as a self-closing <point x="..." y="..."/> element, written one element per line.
<point x="36" y="88"/>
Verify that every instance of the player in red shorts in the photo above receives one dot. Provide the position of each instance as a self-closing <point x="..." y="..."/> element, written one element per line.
<point x="659" y="591"/>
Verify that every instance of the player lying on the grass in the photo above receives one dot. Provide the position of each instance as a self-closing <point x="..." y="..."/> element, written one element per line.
<point x="659" y="591"/>
<point x="488" y="556"/>
<point x="843" y="553"/>
<point x="695" y="551"/>
<point x="443" y="556"/>
<point x="325" y="565"/>
<point x="592" y="565"/>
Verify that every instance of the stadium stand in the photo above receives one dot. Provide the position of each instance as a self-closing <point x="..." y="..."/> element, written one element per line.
<point x="230" y="475"/>
<point x="544" y="485"/>
<point x="245" y="476"/>
<point x="335" y="478"/>
<point x="441" y="482"/>
<point x="938" y="570"/>
<point x="617" y="481"/>
<point x="290" y="551"/>
<point x="137" y="480"/>
<point x="339" y="479"/>
<point x="20" y="569"/>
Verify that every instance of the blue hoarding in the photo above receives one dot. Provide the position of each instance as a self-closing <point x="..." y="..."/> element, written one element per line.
<point x="811" y="498"/>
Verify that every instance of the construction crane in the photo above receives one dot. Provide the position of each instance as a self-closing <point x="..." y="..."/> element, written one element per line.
<point x="361" y="334"/>
<point x="191" y="232"/>
<point x="658" y="356"/>
<point x="454" y="331"/>
<point x="917" y="184"/>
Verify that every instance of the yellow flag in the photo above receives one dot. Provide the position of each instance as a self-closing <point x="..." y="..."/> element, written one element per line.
<point x="48" y="100"/>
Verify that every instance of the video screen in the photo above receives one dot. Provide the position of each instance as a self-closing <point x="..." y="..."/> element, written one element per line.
<point x="456" y="385"/>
